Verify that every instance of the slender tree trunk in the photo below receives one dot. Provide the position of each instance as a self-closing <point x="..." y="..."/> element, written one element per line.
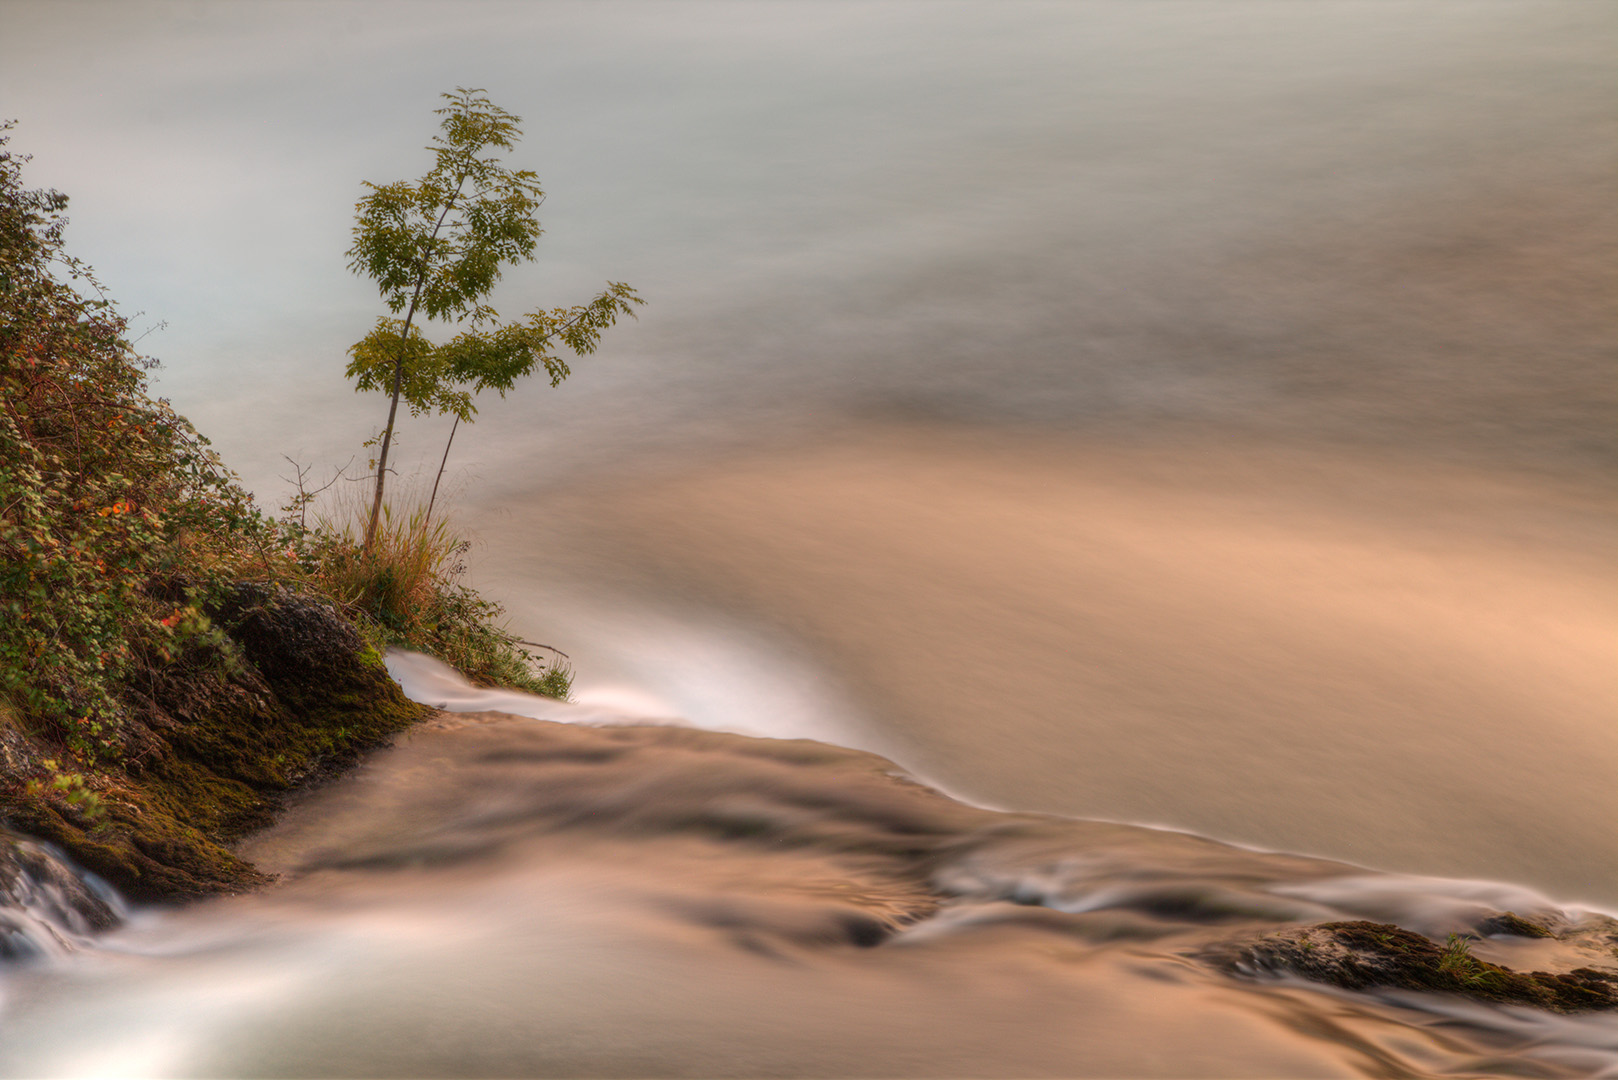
<point x="398" y="375"/>
<point x="387" y="432"/>
<point x="433" y="498"/>
<point x="444" y="461"/>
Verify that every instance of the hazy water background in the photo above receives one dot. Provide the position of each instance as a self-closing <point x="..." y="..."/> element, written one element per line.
<point x="1198" y="414"/>
<point x="1374" y="222"/>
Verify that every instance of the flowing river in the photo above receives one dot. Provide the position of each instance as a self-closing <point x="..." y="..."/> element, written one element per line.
<point x="1096" y="482"/>
<point x="1391" y="688"/>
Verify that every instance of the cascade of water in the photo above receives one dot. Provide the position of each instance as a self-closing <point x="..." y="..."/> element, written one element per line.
<point x="48" y="906"/>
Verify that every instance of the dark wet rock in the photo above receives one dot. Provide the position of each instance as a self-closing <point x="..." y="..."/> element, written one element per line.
<point x="1510" y="924"/>
<point x="1367" y="955"/>
<point x="215" y="742"/>
<point x="291" y="639"/>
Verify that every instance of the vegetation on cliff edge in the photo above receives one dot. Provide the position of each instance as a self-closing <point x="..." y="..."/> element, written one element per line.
<point x="146" y="605"/>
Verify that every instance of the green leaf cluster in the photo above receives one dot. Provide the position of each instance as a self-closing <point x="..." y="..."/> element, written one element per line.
<point x="436" y="247"/>
<point x="439" y="244"/>
<point x="445" y="378"/>
<point x="71" y="788"/>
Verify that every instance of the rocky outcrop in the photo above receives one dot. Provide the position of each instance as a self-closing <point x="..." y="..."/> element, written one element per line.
<point x="215" y="742"/>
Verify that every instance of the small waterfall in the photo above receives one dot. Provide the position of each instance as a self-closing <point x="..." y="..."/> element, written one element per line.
<point x="48" y="906"/>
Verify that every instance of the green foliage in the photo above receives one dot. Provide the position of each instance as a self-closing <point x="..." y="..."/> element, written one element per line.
<point x="102" y="489"/>
<point x="406" y="590"/>
<point x="120" y="528"/>
<point x="438" y="246"/>
<point x="71" y="789"/>
<point x="445" y="378"/>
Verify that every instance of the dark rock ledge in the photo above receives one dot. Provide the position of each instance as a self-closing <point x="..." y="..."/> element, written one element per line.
<point x="215" y="744"/>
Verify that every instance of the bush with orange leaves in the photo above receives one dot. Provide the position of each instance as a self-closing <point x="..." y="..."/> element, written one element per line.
<point x="103" y="491"/>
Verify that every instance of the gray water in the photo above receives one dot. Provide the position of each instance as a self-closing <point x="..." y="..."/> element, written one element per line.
<point x="1189" y="416"/>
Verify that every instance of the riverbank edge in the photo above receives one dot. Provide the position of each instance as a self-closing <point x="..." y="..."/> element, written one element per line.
<point x="219" y="740"/>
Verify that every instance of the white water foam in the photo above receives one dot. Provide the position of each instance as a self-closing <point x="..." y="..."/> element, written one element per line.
<point x="433" y="682"/>
<point x="714" y="677"/>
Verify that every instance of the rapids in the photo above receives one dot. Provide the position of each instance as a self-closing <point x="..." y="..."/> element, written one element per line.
<point x="539" y="895"/>
<point x="703" y="868"/>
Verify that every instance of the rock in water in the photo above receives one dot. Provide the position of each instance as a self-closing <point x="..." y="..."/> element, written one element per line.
<point x="1365" y="955"/>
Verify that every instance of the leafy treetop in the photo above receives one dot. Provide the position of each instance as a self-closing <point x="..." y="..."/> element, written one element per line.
<point x="437" y="246"/>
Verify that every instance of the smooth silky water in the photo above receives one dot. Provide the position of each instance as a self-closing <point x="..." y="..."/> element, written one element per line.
<point x="1095" y="481"/>
<point x="509" y="894"/>
<point x="1401" y="676"/>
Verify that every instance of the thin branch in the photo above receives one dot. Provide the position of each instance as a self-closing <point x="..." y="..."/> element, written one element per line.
<point x="162" y="324"/>
<point x="442" y="462"/>
<point x="548" y="648"/>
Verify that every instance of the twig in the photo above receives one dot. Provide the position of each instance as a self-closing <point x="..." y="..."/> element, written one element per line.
<point x="537" y="645"/>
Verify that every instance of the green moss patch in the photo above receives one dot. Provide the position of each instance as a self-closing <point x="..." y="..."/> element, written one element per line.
<point x="218" y="746"/>
<point x="1509" y="923"/>
<point x="1366" y="955"/>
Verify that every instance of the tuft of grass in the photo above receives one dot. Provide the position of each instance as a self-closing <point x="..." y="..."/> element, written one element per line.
<point x="1457" y="958"/>
<point x="1456" y="961"/>
<point x="407" y="591"/>
<point x="398" y="577"/>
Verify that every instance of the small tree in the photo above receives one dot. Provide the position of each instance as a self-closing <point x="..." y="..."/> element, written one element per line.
<point x="437" y="247"/>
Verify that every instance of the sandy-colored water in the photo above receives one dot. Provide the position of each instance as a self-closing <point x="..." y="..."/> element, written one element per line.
<point x="1406" y="666"/>
<point x="499" y="895"/>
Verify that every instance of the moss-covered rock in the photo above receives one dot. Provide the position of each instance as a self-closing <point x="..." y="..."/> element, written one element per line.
<point x="1510" y="924"/>
<point x="218" y="740"/>
<point x="1364" y="955"/>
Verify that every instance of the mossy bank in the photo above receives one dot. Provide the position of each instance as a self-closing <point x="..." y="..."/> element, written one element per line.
<point x="173" y="660"/>
<point x="217" y="746"/>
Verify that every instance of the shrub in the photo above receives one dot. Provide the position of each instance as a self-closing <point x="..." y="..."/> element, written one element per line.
<point x="102" y="489"/>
